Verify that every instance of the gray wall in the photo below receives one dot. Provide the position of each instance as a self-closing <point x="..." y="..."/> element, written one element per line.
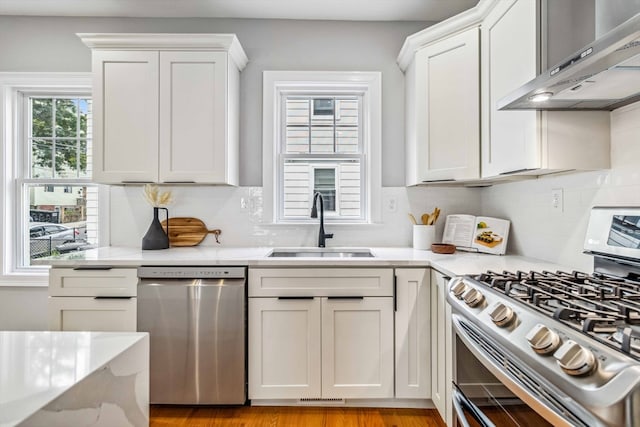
<point x="50" y="44"/>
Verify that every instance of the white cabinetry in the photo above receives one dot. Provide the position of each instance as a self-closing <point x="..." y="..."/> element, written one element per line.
<point x="165" y="107"/>
<point x="94" y="299"/>
<point x="443" y="110"/>
<point x="357" y="347"/>
<point x="284" y="342"/>
<point x="441" y="344"/>
<point x="530" y="142"/>
<point x="412" y="337"/>
<point x="315" y="333"/>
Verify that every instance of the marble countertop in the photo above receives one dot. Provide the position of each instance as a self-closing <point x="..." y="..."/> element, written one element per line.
<point x="455" y="264"/>
<point x="38" y="367"/>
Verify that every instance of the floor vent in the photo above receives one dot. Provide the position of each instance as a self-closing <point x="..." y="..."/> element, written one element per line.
<point x="320" y="401"/>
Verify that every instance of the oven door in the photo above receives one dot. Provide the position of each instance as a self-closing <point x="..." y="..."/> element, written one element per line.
<point x="480" y="399"/>
<point x="490" y="389"/>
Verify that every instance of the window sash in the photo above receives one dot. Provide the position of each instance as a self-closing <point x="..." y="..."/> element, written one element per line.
<point x="318" y="159"/>
<point x="25" y="180"/>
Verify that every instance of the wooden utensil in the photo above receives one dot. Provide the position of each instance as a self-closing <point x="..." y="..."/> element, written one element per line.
<point x="413" y="219"/>
<point x="425" y="219"/>
<point x="435" y="215"/>
<point x="187" y="231"/>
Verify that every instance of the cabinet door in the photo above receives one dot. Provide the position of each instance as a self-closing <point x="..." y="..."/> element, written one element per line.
<point x="357" y="347"/>
<point x="284" y="342"/>
<point x="448" y="120"/>
<point x="441" y="343"/>
<point x="413" y="342"/>
<point x="509" y="59"/>
<point x="125" y="116"/>
<point x="92" y="314"/>
<point x="193" y="119"/>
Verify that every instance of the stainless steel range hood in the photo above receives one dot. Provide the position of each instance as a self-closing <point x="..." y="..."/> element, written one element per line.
<point x="603" y="75"/>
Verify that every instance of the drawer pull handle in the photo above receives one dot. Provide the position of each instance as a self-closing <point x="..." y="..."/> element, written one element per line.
<point x="347" y="297"/>
<point x="93" y="267"/>
<point x="112" y="297"/>
<point x="293" y="298"/>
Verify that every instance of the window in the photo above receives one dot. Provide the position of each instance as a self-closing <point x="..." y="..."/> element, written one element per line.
<point x="58" y="198"/>
<point x="321" y="135"/>
<point x="49" y="204"/>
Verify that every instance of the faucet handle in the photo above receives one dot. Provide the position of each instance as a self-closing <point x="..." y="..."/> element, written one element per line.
<point x="328" y="236"/>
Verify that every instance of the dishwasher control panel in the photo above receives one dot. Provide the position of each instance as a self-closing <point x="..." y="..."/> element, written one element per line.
<point x="159" y="272"/>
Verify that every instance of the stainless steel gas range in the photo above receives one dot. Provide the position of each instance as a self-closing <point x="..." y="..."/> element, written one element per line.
<point x="565" y="346"/>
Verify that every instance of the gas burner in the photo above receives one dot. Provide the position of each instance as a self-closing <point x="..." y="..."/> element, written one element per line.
<point x="628" y="338"/>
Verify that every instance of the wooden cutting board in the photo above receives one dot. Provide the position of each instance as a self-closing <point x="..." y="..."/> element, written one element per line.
<point x="186" y="231"/>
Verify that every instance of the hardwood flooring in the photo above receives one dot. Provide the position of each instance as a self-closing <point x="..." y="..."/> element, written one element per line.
<point x="269" y="416"/>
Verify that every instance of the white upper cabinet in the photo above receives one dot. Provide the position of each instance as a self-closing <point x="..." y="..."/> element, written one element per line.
<point x="166" y="107"/>
<point x="530" y="142"/>
<point x="443" y="124"/>
<point x="453" y="81"/>
<point x="194" y="118"/>
<point x="125" y="116"/>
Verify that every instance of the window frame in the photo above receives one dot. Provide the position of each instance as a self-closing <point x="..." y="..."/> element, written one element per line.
<point x="277" y="84"/>
<point x="14" y="91"/>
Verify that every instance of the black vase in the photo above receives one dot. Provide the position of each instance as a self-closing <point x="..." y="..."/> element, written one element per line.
<point x="156" y="238"/>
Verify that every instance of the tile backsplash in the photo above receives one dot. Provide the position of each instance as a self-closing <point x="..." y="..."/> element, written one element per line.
<point x="237" y="211"/>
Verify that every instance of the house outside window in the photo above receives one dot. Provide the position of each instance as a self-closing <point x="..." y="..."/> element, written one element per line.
<point x="320" y="136"/>
<point x="321" y="151"/>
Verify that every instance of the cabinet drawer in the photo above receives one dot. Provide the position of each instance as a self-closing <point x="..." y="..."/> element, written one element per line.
<point x="265" y="282"/>
<point x="112" y="282"/>
<point x="92" y="314"/>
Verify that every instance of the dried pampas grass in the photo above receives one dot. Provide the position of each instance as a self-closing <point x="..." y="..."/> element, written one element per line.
<point x="156" y="198"/>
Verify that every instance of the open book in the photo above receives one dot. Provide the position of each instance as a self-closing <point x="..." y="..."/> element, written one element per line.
<point x="477" y="233"/>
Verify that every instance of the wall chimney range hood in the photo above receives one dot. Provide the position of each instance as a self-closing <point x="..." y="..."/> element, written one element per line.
<point x="604" y="75"/>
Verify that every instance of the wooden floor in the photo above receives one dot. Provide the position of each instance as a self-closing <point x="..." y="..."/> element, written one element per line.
<point x="258" y="416"/>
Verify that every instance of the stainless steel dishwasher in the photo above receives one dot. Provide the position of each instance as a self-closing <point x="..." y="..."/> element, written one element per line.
<point x="196" y="319"/>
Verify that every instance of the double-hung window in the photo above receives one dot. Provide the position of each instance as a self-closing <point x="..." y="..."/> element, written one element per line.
<point x="49" y="203"/>
<point x="57" y="202"/>
<point x="321" y="136"/>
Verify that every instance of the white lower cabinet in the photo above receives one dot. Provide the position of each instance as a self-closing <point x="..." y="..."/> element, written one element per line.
<point x="412" y="333"/>
<point x="284" y="340"/>
<point x="93" y="299"/>
<point x="357" y="347"/>
<point x="441" y="343"/>
<point x="305" y="343"/>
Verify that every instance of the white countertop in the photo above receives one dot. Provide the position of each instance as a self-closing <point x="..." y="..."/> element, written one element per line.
<point x="456" y="264"/>
<point x="38" y="367"/>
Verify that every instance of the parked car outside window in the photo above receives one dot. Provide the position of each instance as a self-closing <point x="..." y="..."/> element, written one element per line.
<point x="47" y="239"/>
<point x="43" y="230"/>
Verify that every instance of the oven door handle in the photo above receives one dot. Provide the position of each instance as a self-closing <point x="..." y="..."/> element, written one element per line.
<point x="461" y="402"/>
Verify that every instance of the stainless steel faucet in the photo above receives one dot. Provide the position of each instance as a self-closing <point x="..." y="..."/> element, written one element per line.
<point x="322" y="236"/>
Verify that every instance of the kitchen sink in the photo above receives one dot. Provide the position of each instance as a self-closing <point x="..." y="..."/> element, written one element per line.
<point x="321" y="253"/>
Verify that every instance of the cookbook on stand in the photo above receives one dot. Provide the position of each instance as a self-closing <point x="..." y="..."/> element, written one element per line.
<point x="477" y="233"/>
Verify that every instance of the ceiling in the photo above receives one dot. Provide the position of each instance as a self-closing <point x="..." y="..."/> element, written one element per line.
<point x="348" y="10"/>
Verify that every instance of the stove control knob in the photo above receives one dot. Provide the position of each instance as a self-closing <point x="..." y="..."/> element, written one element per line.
<point x="502" y="315"/>
<point x="473" y="297"/>
<point x="458" y="288"/>
<point x="575" y="359"/>
<point x="542" y="339"/>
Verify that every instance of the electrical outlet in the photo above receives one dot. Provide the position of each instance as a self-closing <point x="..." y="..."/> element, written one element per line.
<point x="392" y="204"/>
<point x="557" y="200"/>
